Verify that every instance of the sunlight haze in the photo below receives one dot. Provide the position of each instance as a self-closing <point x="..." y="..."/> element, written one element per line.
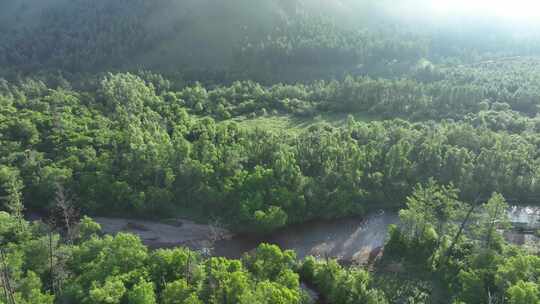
<point x="269" y="151"/>
<point x="517" y="9"/>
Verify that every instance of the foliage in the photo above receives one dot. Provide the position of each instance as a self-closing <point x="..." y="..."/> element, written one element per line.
<point x="458" y="247"/>
<point x="120" y="269"/>
<point x="451" y="135"/>
<point x="124" y="149"/>
<point x="339" y="285"/>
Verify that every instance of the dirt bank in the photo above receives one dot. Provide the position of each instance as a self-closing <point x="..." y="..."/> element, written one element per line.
<point x="177" y="232"/>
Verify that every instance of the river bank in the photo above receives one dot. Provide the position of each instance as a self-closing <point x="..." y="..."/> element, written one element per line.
<point x="350" y="240"/>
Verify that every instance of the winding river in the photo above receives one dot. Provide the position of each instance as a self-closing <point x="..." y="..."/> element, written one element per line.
<point x="349" y="240"/>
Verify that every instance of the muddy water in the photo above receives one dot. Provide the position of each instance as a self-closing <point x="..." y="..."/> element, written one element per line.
<point x="346" y="239"/>
<point x="353" y="239"/>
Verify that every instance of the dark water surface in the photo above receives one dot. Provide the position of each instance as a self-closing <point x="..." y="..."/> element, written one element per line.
<point x="353" y="239"/>
<point x="346" y="239"/>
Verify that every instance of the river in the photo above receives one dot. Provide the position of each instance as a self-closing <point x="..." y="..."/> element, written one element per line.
<point x="350" y="239"/>
<point x="346" y="239"/>
<point x="354" y="239"/>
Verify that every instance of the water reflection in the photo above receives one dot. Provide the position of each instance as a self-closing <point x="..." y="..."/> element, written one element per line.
<point x="347" y="239"/>
<point x="354" y="239"/>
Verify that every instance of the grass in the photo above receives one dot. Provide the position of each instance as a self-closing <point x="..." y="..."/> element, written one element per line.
<point x="295" y="123"/>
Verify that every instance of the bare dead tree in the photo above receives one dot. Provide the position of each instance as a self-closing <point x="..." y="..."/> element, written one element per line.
<point x="65" y="205"/>
<point x="4" y="283"/>
<point x="4" y="286"/>
<point x="490" y="297"/>
<point x="51" y="225"/>
<point x="6" y="280"/>
<point x="56" y="258"/>
<point x="216" y="233"/>
<point x="188" y="268"/>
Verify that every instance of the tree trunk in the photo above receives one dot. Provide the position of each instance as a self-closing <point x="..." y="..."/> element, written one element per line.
<point x="6" y="281"/>
<point x="457" y="236"/>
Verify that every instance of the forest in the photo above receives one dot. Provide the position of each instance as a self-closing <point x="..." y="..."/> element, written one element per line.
<point x="266" y="118"/>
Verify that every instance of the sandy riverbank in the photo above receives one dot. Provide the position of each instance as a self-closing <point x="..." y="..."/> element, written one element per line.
<point x="179" y="232"/>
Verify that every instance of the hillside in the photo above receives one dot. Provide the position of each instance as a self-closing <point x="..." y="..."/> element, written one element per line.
<point x="297" y="40"/>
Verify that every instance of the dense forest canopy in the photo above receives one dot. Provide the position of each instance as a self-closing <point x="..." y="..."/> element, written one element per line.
<point x="308" y="39"/>
<point x="259" y="115"/>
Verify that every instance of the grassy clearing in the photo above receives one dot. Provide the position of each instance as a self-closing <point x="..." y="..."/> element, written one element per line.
<point x="295" y="123"/>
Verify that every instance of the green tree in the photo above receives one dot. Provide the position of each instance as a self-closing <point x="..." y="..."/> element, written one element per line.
<point x="493" y="216"/>
<point x="142" y="293"/>
<point x="523" y="293"/>
<point x="111" y="292"/>
<point x="177" y="292"/>
<point x="31" y="291"/>
<point x="12" y="186"/>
